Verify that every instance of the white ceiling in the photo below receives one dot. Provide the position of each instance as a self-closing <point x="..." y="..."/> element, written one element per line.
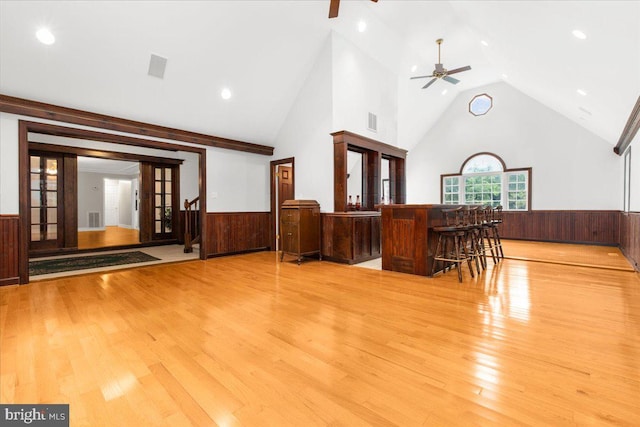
<point x="263" y="50"/>
<point x="107" y="166"/>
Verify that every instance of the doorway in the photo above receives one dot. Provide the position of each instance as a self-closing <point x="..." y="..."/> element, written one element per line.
<point x="282" y="188"/>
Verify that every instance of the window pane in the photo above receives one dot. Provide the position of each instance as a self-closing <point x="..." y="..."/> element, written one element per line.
<point x="35" y="215"/>
<point x="35" y="198"/>
<point x="158" y="187"/>
<point x="158" y="174"/>
<point x="52" y="232"/>
<point x="521" y="186"/>
<point x="52" y="166"/>
<point x="35" y="164"/>
<point x="52" y="198"/>
<point x="482" y="163"/>
<point x="167" y="174"/>
<point x="158" y="200"/>
<point x="158" y="227"/>
<point x="35" y="181"/>
<point x="167" y="187"/>
<point x="158" y="214"/>
<point x="35" y="233"/>
<point x="52" y="215"/>
<point x="52" y="182"/>
<point x="167" y="219"/>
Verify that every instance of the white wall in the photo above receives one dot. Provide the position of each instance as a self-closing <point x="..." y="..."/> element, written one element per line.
<point x="8" y="164"/>
<point x="237" y="181"/>
<point x="635" y="174"/>
<point x="362" y="85"/>
<point x="306" y="134"/>
<point x="571" y="167"/>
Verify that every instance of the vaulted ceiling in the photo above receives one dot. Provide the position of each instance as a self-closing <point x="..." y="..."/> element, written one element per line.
<point x="264" y="50"/>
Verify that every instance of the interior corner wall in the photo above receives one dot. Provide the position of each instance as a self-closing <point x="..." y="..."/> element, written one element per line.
<point x="362" y="85"/>
<point x="572" y="168"/>
<point x="9" y="199"/>
<point x="306" y="134"/>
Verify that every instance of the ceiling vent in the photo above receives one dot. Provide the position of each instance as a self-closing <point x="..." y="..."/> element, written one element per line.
<point x="372" y="123"/>
<point x="157" y="65"/>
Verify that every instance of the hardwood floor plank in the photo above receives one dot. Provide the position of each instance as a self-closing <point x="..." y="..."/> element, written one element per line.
<point x="248" y="340"/>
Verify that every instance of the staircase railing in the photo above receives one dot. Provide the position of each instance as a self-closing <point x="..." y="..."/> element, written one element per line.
<point x="191" y="224"/>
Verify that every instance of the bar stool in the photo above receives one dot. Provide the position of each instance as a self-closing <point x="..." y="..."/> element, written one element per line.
<point x="452" y="244"/>
<point x="474" y="238"/>
<point x="496" y="220"/>
<point x="486" y="233"/>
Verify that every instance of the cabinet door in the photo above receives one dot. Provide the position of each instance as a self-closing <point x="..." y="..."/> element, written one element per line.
<point x="290" y="237"/>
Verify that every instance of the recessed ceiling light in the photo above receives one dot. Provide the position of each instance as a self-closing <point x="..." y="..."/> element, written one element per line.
<point x="581" y="92"/>
<point x="45" y="36"/>
<point x="362" y="26"/>
<point x="414" y="68"/>
<point x="225" y="93"/>
<point x="444" y="92"/>
<point x="579" y="34"/>
<point x="484" y="43"/>
<point x="504" y="76"/>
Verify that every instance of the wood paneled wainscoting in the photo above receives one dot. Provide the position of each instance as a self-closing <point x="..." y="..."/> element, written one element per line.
<point x="236" y="232"/>
<point x="9" y="249"/>
<point x="630" y="237"/>
<point x="351" y="237"/>
<point x="599" y="227"/>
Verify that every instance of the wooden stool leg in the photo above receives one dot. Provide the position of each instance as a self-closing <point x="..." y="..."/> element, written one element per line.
<point x="436" y="254"/>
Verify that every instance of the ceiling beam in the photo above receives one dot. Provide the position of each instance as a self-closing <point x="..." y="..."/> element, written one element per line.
<point x="26" y="107"/>
<point x="630" y="130"/>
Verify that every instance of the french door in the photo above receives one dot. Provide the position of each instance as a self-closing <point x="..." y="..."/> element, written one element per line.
<point x="159" y="207"/>
<point x="45" y="202"/>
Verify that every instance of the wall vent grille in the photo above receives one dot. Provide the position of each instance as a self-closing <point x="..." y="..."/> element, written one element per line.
<point x="372" y="123"/>
<point x="94" y="219"/>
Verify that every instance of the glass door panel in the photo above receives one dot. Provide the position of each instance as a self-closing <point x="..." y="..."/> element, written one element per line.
<point x="44" y="203"/>
<point x="163" y="202"/>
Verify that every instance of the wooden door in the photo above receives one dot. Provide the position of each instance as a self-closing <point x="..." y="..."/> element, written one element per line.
<point x="285" y="187"/>
<point x="159" y="206"/>
<point x="46" y="202"/>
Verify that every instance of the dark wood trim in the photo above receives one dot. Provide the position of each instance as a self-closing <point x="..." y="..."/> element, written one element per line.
<point x="9" y="249"/>
<point x="237" y="232"/>
<point x="24" y="127"/>
<point x="630" y="237"/>
<point x="10" y="104"/>
<point x="102" y="154"/>
<point x="70" y="198"/>
<point x="272" y="179"/>
<point x="368" y="143"/>
<point x="373" y="151"/>
<point x="630" y="130"/>
<point x="23" y="185"/>
<point x="504" y="165"/>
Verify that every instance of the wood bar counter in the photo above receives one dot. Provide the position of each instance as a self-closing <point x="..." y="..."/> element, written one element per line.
<point x="408" y="239"/>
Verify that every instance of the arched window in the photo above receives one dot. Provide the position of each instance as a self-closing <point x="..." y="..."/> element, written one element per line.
<point x="485" y="180"/>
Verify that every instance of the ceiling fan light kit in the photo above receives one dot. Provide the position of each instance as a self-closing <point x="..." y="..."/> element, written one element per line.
<point x="442" y="73"/>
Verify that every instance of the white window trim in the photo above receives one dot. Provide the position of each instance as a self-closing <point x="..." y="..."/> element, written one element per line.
<point x="504" y="187"/>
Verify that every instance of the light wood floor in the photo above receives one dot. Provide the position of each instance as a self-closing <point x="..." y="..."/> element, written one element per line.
<point x="110" y="236"/>
<point x="246" y="340"/>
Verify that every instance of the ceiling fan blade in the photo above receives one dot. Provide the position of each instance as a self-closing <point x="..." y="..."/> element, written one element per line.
<point x="420" y="77"/>
<point x="451" y="80"/>
<point x="459" y="70"/>
<point x="333" y="8"/>
<point x="429" y="84"/>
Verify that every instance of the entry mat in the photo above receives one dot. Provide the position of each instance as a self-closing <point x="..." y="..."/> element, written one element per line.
<point x="49" y="266"/>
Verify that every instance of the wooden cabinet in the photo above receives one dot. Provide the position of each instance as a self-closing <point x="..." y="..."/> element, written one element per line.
<point x="300" y="228"/>
<point x="351" y="237"/>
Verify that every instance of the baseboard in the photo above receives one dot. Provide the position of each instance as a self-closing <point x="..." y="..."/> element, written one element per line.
<point x="91" y="229"/>
<point x="10" y="281"/>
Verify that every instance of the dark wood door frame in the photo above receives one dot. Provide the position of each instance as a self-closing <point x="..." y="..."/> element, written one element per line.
<point x="274" y="166"/>
<point x="24" y="127"/>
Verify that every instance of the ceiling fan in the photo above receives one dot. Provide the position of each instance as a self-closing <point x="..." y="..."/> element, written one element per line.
<point x="335" y="5"/>
<point x="442" y="73"/>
